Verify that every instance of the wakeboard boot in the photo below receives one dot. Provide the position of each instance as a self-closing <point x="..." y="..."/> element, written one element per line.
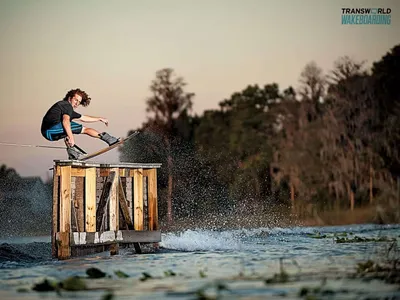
<point x="73" y="153"/>
<point x="109" y="139"/>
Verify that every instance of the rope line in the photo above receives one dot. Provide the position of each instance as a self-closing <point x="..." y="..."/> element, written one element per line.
<point x="33" y="146"/>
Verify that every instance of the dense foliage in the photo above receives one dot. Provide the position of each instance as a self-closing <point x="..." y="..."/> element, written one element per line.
<point x="333" y="144"/>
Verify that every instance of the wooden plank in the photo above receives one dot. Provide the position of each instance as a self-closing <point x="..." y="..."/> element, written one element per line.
<point x="90" y="200"/>
<point x="124" y="207"/>
<point x="64" y="247"/>
<point x="138" y="199"/>
<point x="74" y="225"/>
<point x="114" y="203"/>
<point x="111" y="237"/>
<point x="126" y="214"/>
<point x="79" y="203"/>
<point x="56" y="198"/>
<point x="146" y="215"/>
<point x="129" y="195"/>
<point x="108" y="165"/>
<point x="78" y="172"/>
<point x="65" y="201"/>
<point x="104" y="172"/>
<point x="74" y="219"/>
<point x="104" y="198"/>
<point x="114" y="249"/>
<point x="75" y="172"/>
<point x="152" y="199"/>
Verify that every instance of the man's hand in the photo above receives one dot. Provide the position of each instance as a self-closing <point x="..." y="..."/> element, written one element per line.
<point x="104" y="120"/>
<point x="70" y="141"/>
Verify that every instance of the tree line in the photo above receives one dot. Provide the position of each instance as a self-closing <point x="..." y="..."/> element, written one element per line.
<point x="330" y="145"/>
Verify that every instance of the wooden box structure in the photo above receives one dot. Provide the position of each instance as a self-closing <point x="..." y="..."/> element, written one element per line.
<point x="97" y="207"/>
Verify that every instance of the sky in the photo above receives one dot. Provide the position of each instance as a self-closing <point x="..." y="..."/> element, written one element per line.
<point x="112" y="50"/>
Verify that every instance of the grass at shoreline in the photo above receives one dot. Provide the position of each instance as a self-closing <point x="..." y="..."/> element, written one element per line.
<point x="294" y="285"/>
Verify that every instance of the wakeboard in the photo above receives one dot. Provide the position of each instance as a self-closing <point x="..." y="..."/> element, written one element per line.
<point x="104" y="150"/>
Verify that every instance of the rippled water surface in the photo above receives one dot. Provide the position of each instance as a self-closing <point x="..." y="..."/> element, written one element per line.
<point x="234" y="264"/>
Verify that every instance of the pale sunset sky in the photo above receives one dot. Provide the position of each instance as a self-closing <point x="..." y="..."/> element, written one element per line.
<point x="112" y="50"/>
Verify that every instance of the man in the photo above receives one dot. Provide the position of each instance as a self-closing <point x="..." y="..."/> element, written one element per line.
<point x="58" y="124"/>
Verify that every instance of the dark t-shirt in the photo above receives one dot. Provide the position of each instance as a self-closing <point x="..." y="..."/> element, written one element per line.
<point x="55" y="114"/>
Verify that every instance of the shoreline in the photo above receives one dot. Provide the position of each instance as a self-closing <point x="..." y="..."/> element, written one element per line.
<point x="364" y="215"/>
<point x="275" y="218"/>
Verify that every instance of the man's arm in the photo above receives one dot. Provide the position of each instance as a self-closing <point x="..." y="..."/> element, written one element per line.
<point x="90" y="119"/>
<point x="66" y="122"/>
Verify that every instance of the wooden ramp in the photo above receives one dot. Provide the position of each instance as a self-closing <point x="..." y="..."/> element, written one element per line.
<point x="98" y="206"/>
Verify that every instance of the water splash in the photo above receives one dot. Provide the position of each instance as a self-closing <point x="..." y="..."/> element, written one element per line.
<point x="213" y="240"/>
<point x="200" y="240"/>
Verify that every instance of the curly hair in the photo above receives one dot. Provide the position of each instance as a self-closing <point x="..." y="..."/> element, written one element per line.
<point x="85" y="97"/>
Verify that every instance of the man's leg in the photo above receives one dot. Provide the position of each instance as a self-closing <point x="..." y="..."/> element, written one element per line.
<point x="79" y="129"/>
<point x="57" y="132"/>
<point x="104" y="136"/>
<point x="91" y="132"/>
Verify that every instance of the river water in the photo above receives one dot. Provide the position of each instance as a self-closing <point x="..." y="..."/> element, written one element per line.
<point x="204" y="264"/>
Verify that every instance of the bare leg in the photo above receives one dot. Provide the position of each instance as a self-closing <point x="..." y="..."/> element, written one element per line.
<point x="91" y="132"/>
<point x="110" y="140"/>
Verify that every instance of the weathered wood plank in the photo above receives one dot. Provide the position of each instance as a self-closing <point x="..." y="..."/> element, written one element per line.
<point x="111" y="237"/>
<point x="56" y="198"/>
<point x="75" y="172"/>
<point x="138" y="199"/>
<point x="114" y="203"/>
<point x="126" y="214"/>
<point x="129" y="195"/>
<point x="65" y="201"/>
<point x="123" y="205"/>
<point x="104" y="172"/>
<point x="90" y="199"/>
<point x="152" y="199"/>
<point x="104" y="198"/>
<point x="105" y="165"/>
<point x="74" y="219"/>
<point x="114" y="249"/>
<point x="79" y="203"/>
<point x="64" y="247"/>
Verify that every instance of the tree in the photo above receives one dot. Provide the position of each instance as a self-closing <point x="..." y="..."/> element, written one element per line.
<point x="168" y="108"/>
<point x="385" y="81"/>
<point x="345" y="68"/>
<point x="236" y="140"/>
<point x="289" y="94"/>
<point x="169" y="100"/>
<point x="313" y="82"/>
